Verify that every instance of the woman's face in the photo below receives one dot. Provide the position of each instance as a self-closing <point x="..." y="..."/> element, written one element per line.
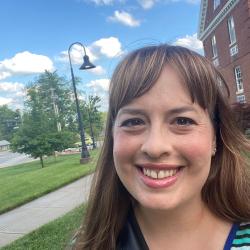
<point x="163" y="144"/>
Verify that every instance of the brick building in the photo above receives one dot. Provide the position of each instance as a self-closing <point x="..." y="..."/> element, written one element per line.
<point x="224" y="29"/>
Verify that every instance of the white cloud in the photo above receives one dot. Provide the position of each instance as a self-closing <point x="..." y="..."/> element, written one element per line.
<point x="147" y="4"/>
<point x="98" y="70"/>
<point x="99" y="85"/>
<point x="124" y="18"/>
<point x="4" y="74"/>
<point x="100" y="88"/>
<point x="76" y="55"/>
<point x="190" y="42"/>
<point x="21" y="93"/>
<point x="109" y="47"/>
<point x="11" y="86"/>
<point x="4" y="100"/>
<point x="24" y="63"/>
<point x="12" y="93"/>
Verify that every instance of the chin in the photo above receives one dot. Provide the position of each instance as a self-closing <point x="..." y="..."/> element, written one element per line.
<point x="157" y="204"/>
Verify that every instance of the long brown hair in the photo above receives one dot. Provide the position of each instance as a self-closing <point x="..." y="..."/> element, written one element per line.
<point x="227" y="189"/>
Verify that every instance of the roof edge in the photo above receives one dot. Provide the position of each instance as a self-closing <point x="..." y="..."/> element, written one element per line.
<point x="203" y="34"/>
<point x="202" y="17"/>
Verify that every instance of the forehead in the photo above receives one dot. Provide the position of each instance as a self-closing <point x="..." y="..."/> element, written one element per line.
<point x="168" y="87"/>
<point x="168" y="93"/>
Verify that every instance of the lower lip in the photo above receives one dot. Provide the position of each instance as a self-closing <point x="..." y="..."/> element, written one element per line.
<point x="159" y="183"/>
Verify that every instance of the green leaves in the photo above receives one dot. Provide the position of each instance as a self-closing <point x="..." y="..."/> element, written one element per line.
<point x="47" y="109"/>
<point x="9" y="121"/>
<point x="50" y="121"/>
<point x="92" y="117"/>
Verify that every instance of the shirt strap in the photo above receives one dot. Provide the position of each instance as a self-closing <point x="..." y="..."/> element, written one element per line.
<point x="231" y="236"/>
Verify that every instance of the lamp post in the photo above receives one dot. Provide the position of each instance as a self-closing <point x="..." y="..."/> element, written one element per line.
<point x="86" y="65"/>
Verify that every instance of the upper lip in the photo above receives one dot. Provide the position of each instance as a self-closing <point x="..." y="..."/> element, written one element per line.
<point x="163" y="166"/>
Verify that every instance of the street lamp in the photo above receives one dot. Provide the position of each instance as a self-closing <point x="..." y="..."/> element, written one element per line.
<point x="86" y="65"/>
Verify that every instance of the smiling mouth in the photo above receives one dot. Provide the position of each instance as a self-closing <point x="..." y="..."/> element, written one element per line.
<point x="159" y="173"/>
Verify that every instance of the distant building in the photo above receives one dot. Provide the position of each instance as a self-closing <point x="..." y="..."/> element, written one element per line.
<point x="4" y="145"/>
<point x="224" y="29"/>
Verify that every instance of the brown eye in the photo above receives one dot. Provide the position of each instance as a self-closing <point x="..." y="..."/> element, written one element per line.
<point x="132" y="122"/>
<point x="184" y="121"/>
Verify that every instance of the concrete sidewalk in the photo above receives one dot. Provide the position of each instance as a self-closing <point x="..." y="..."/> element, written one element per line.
<point x="24" y="219"/>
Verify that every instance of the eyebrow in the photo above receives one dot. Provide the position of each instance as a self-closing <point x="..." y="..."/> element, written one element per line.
<point x="182" y="110"/>
<point x="178" y="110"/>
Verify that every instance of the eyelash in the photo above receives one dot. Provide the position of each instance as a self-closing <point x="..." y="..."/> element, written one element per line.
<point x="179" y="121"/>
<point x="132" y="122"/>
<point x="187" y="121"/>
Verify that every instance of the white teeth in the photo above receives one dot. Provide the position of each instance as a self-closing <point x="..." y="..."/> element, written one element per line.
<point x="148" y="173"/>
<point x="159" y="174"/>
<point x="171" y="172"/>
<point x="153" y="174"/>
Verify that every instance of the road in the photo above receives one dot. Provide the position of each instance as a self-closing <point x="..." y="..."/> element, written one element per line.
<point x="8" y="159"/>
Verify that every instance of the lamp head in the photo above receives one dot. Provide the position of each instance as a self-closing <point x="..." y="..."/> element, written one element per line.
<point x="87" y="64"/>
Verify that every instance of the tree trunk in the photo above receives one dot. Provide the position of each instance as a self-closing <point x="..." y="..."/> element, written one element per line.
<point x="55" y="156"/>
<point x="41" y="160"/>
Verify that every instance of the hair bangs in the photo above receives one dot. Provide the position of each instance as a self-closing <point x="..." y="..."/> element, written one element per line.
<point x="136" y="75"/>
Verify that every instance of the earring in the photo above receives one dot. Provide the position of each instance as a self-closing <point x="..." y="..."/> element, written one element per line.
<point x="214" y="151"/>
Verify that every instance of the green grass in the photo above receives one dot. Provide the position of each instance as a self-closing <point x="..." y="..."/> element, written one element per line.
<point x="23" y="183"/>
<point x="56" y="235"/>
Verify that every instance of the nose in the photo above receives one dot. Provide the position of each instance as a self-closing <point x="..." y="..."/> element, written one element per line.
<point x="157" y="143"/>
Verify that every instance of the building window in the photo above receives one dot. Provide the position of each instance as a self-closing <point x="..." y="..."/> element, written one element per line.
<point x="231" y="30"/>
<point x="234" y="50"/>
<point x="214" y="48"/>
<point x="238" y="79"/>
<point x="241" y="98"/>
<point x="216" y="3"/>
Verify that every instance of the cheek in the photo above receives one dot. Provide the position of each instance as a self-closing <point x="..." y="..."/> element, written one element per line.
<point x="197" y="150"/>
<point x="124" y="146"/>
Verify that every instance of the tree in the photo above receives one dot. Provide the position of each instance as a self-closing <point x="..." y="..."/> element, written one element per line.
<point x="38" y="135"/>
<point x="242" y="115"/>
<point x="61" y="140"/>
<point x="9" y="121"/>
<point x="33" y="140"/>
<point x="56" y="100"/>
<point x="49" y="120"/>
<point x="92" y="117"/>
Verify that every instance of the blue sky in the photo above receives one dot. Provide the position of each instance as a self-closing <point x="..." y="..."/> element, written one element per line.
<point x="36" y="34"/>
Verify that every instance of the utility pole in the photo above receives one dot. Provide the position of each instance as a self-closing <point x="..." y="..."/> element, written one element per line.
<point x="90" y="123"/>
<point x="53" y="98"/>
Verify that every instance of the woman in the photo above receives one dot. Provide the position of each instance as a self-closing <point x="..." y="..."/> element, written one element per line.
<point x="172" y="173"/>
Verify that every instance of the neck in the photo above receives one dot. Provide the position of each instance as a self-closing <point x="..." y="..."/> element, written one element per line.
<point x="192" y="224"/>
<point x="176" y="220"/>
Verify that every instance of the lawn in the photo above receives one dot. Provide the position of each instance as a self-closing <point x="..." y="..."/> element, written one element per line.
<point x="55" y="235"/>
<point x="25" y="182"/>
